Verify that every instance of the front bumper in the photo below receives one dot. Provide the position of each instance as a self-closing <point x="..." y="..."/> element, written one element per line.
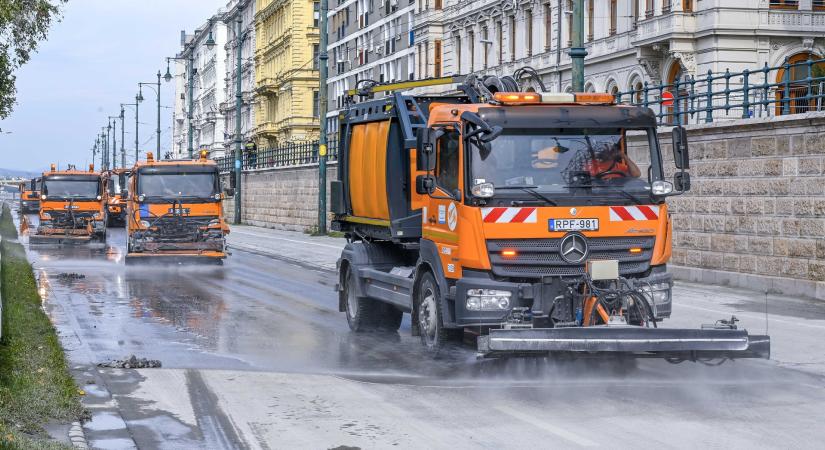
<point x="651" y="342"/>
<point x="178" y="258"/>
<point x="538" y="296"/>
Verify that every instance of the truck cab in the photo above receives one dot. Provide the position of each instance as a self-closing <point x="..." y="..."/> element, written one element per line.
<point x="534" y="221"/>
<point x="30" y="196"/>
<point x="174" y="212"/>
<point x="72" y="207"/>
<point x="117" y="183"/>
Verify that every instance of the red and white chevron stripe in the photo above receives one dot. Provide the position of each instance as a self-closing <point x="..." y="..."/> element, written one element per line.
<point x="509" y="215"/>
<point x="626" y="213"/>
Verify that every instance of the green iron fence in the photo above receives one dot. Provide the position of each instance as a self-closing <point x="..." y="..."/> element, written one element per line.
<point x="791" y="88"/>
<point x="287" y="155"/>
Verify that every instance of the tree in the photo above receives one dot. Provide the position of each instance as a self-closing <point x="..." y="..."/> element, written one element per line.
<point x="23" y="24"/>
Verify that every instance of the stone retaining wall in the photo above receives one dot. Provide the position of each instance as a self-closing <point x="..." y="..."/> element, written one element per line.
<point x="285" y="199"/>
<point x="757" y="205"/>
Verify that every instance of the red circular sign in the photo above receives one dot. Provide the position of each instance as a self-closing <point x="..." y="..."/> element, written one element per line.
<point x="667" y="98"/>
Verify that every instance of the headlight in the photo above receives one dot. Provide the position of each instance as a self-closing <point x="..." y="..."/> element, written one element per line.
<point x="661" y="187"/>
<point x="658" y="293"/>
<point x="141" y="197"/>
<point x="145" y="224"/>
<point x="214" y="222"/>
<point x="43" y="197"/>
<point x="483" y="190"/>
<point x="487" y="300"/>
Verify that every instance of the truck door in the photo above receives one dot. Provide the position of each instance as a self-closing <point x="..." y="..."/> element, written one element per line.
<point x="441" y="216"/>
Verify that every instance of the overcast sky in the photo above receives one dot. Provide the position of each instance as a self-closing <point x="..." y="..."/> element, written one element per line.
<point x="91" y="64"/>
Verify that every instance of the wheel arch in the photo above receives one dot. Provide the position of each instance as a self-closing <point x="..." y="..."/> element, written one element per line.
<point x="428" y="260"/>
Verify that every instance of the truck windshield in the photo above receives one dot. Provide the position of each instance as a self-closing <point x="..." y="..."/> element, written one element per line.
<point x="559" y="161"/>
<point x="178" y="185"/>
<point x="117" y="184"/>
<point x="72" y="189"/>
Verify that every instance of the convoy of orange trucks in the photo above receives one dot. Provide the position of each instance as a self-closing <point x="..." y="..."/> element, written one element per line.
<point x="30" y="196"/>
<point x="174" y="212"/>
<point x="72" y="207"/>
<point x="515" y="218"/>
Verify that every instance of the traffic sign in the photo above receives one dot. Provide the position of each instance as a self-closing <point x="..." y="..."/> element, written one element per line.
<point x="667" y="98"/>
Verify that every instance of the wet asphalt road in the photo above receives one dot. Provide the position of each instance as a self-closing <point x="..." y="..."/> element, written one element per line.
<point x="255" y="355"/>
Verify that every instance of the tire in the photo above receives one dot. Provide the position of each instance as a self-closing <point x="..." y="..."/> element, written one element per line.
<point x="389" y="318"/>
<point x="362" y="312"/>
<point x="429" y="315"/>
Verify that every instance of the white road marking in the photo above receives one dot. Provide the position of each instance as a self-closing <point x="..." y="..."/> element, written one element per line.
<point x="560" y="432"/>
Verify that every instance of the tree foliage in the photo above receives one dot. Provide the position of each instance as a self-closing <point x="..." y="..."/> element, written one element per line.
<point x="23" y="24"/>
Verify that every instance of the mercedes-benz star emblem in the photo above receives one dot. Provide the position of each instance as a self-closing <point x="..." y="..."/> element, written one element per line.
<point x="573" y="248"/>
<point x="573" y="211"/>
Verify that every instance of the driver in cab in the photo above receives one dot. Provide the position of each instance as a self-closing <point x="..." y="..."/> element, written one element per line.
<point x="611" y="162"/>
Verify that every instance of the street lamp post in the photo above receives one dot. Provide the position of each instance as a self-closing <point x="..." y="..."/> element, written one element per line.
<point x="190" y="71"/>
<point x="322" y="112"/>
<point x="123" y="142"/>
<point x="240" y="37"/>
<point x="122" y="138"/>
<point x="577" y="50"/>
<point x="140" y="99"/>
<point x="113" y="121"/>
<point x="137" y="129"/>
<point x="104" y="136"/>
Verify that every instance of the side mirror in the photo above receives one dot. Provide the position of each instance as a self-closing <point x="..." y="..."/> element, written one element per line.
<point x="680" y="148"/>
<point x="681" y="181"/>
<point x="424" y="184"/>
<point x="425" y="145"/>
<point x="229" y="192"/>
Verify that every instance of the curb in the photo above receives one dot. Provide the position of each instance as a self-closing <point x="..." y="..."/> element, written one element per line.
<point x="77" y="436"/>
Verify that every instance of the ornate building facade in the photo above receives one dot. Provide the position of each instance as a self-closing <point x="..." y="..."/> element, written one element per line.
<point x="286" y="71"/>
<point x="245" y="11"/>
<point x="629" y="42"/>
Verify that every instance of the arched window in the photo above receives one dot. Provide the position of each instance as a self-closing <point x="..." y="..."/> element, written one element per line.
<point x="637" y="87"/>
<point x="676" y="74"/>
<point x="794" y="91"/>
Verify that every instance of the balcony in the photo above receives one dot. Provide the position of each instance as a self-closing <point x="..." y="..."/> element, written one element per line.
<point x="662" y="28"/>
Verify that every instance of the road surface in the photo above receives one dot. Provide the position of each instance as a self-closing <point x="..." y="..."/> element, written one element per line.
<point x="256" y="355"/>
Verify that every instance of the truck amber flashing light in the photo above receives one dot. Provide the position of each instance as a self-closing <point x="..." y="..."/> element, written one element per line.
<point x="527" y="98"/>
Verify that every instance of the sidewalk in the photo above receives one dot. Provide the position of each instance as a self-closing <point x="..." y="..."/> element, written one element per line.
<point x="300" y="248"/>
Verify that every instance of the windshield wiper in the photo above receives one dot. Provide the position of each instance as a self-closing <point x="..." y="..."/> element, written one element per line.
<point x="530" y="190"/>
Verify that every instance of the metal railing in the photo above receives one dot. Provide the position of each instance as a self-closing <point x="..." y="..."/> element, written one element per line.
<point x="287" y="155"/>
<point x="735" y="95"/>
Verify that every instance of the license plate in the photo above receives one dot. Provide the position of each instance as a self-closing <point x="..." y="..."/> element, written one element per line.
<point x="574" y="224"/>
<point x="179" y="211"/>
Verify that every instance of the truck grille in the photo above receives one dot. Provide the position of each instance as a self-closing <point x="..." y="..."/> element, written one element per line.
<point x="536" y="258"/>
<point x="173" y="228"/>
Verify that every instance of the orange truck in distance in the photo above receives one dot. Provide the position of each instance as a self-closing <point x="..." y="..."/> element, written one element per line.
<point x="30" y="196"/>
<point x="117" y="182"/>
<point x="72" y="207"/>
<point x="517" y="218"/>
<point x="174" y="212"/>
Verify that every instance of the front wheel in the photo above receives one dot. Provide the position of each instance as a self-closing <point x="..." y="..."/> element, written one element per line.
<point x="429" y="315"/>
<point x="362" y="312"/>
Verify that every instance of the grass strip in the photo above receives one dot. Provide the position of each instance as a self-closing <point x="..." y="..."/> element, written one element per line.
<point x="35" y="384"/>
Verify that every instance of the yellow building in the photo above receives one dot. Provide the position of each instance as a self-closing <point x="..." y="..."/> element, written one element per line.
<point x="286" y="60"/>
